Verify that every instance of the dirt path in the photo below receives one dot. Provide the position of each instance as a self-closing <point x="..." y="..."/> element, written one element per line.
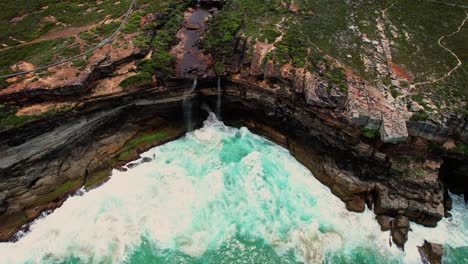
<point x="459" y="64"/>
<point x="103" y="43"/>
<point x="66" y="32"/>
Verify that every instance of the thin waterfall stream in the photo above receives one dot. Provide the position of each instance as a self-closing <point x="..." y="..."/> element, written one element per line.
<point x="218" y="102"/>
<point x="187" y="105"/>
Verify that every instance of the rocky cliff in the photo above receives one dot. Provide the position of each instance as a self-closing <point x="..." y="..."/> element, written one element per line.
<point x="357" y="140"/>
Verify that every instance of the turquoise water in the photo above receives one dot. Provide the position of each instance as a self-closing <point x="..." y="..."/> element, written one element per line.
<point x="220" y="195"/>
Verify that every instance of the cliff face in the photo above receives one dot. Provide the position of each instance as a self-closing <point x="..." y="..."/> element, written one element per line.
<point x="45" y="161"/>
<point x="401" y="173"/>
<point x="355" y="138"/>
<point x="361" y="103"/>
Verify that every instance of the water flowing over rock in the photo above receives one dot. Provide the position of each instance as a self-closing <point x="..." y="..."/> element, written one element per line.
<point x="187" y="105"/>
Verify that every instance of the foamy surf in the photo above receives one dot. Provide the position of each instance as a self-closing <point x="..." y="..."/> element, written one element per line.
<point x="220" y="195"/>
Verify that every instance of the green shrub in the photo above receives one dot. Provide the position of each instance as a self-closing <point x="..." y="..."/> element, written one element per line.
<point x="462" y="148"/>
<point x="269" y="35"/>
<point x="386" y="80"/>
<point x="221" y="35"/>
<point x="141" y="78"/>
<point x="370" y="133"/>
<point x="421" y="115"/>
<point x="394" y="92"/>
<point x="79" y="63"/>
<point x="219" y="68"/>
<point x="3" y="84"/>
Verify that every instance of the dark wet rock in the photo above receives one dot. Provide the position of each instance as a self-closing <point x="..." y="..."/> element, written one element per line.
<point x="384" y="222"/>
<point x="317" y="121"/>
<point x="370" y="201"/>
<point x="431" y="253"/>
<point x="146" y="159"/>
<point x="399" y="231"/>
<point x="401" y="222"/>
<point x="122" y="169"/>
<point x="65" y="149"/>
<point x="3" y="206"/>
<point x="132" y="165"/>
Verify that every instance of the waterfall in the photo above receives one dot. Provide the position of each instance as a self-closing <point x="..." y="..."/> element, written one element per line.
<point x="187" y="105"/>
<point x="218" y="102"/>
<point x="198" y="2"/>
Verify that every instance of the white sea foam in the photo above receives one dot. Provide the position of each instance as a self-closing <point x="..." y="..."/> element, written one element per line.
<point x="202" y="190"/>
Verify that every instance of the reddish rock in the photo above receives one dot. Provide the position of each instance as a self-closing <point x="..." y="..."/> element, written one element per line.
<point x="356" y="205"/>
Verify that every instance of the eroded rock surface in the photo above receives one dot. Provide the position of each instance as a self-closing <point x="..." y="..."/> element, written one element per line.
<point x="431" y="253"/>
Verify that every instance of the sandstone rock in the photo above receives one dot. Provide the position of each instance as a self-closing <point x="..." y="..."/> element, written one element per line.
<point x="260" y="51"/>
<point x="431" y="253"/>
<point x="428" y="130"/>
<point x="293" y="8"/>
<point x="356" y="205"/>
<point x="384" y="222"/>
<point x="393" y="129"/>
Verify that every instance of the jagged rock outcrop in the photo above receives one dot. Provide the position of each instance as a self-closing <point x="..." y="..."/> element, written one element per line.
<point x="76" y="149"/>
<point x="400" y="229"/>
<point x="355" y="171"/>
<point x="319" y="122"/>
<point x="431" y="253"/>
<point x="66" y="81"/>
<point x="384" y="222"/>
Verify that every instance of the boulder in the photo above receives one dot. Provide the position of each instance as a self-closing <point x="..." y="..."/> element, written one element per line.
<point x="146" y="159"/>
<point x="357" y="204"/>
<point x="401" y="222"/>
<point x="384" y="222"/>
<point x="431" y="253"/>
<point x="400" y="228"/>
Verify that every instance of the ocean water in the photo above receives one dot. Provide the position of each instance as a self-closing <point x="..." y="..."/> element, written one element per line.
<point x="221" y="195"/>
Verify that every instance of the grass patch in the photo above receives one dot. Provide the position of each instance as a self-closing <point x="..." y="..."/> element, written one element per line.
<point x="146" y="138"/>
<point x="97" y="177"/>
<point x="70" y="12"/>
<point x="421" y="115"/>
<point x="221" y="35"/>
<point x="40" y="53"/>
<point x="59" y="191"/>
<point x="394" y="92"/>
<point x="461" y="147"/>
<point x="139" y="79"/>
<point x="79" y="63"/>
<point x="105" y="30"/>
<point x="370" y="133"/>
<point x="9" y="119"/>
